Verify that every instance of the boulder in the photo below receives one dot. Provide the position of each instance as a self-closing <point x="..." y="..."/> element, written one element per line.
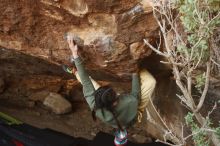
<point x="57" y="103"/>
<point x="107" y="28"/>
<point x="141" y="138"/>
<point x="39" y="96"/>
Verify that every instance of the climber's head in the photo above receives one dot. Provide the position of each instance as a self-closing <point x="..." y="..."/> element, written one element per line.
<point x="105" y="97"/>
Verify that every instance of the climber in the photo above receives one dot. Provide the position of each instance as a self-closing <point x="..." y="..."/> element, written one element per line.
<point x="120" y="112"/>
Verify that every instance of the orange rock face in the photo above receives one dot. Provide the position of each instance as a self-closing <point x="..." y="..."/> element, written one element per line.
<point x="108" y="28"/>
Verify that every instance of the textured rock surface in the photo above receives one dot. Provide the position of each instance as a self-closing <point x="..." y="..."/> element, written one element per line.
<point x="2" y="85"/>
<point x="57" y="103"/>
<point x="108" y="28"/>
<point x="112" y="30"/>
<point x="39" y="96"/>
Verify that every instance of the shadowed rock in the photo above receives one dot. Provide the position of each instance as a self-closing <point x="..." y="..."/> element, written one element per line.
<point x="2" y="85"/>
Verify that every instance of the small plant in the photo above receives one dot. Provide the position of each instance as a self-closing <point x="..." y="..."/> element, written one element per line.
<point x="198" y="134"/>
<point x="200" y="82"/>
<point x="186" y="31"/>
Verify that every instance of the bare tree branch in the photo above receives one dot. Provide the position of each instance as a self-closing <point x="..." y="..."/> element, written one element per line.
<point x="194" y="46"/>
<point x="215" y="62"/>
<point x="177" y="64"/>
<point x="184" y="62"/>
<point x="189" y="80"/>
<point x="154" y="49"/>
<point x="201" y="101"/>
<point x="167" y="143"/>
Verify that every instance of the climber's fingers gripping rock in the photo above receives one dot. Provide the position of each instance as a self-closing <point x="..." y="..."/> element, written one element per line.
<point x="73" y="47"/>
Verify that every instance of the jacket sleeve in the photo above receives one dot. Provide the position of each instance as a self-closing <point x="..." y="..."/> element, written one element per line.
<point x="88" y="88"/>
<point x="135" y="90"/>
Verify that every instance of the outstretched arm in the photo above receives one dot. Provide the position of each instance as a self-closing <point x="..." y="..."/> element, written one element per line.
<point x="135" y="91"/>
<point x="88" y="89"/>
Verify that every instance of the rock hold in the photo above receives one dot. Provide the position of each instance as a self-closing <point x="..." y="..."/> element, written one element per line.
<point x="75" y="38"/>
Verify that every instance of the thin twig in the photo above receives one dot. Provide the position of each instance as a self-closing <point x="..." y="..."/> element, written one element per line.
<point x="200" y="58"/>
<point x="189" y="80"/>
<point x="178" y="64"/>
<point x="214" y="18"/>
<point x="171" y="24"/>
<point x="164" y="123"/>
<point x="167" y="143"/>
<point x="183" y="100"/>
<point x="194" y="46"/>
<point x="154" y="49"/>
<point x="182" y="132"/>
<point x="214" y="107"/>
<point x="215" y="62"/>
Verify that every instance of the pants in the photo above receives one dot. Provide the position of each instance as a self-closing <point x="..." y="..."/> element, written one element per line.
<point x="148" y="84"/>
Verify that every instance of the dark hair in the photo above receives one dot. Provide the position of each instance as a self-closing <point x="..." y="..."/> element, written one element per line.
<point x="105" y="96"/>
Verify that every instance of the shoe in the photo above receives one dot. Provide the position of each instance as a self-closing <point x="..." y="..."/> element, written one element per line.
<point x="67" y="69"/>
<point x="121" y="138"/>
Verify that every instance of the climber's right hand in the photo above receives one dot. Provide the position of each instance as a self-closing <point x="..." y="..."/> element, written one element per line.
<point x="73" y="47"/>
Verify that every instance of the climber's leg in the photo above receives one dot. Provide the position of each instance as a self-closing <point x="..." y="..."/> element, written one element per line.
<point x="148" y="84"/>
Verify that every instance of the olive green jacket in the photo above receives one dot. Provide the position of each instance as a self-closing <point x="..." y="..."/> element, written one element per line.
<point x="126" y="109"/>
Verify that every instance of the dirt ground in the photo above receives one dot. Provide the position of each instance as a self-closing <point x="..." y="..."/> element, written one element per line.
<point x="77" y="123"/>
